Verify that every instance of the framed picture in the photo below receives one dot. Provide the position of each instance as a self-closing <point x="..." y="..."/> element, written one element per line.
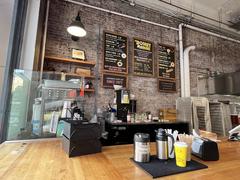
<point x="78" y="54"/>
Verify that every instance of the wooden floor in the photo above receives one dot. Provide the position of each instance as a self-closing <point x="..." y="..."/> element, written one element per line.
<point x="47" y="161"/>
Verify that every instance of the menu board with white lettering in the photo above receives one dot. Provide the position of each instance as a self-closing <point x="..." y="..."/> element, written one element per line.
<point x="166" y="62"/>
<point x="115" y="53"/>
<point x="108" y="80"/>
<point x="167" y="86"/>
<point x="143" y="62"/>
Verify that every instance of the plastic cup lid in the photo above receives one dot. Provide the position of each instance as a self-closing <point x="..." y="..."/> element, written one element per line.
<point x="181" y="144"/>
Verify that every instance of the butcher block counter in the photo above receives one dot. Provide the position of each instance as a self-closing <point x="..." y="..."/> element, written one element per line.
<point x="46" y="160"/>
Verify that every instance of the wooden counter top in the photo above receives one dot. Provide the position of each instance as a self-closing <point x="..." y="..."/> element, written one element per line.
<point x="46" y="160"/>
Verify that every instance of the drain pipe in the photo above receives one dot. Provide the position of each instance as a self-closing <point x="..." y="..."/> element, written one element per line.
<point x="187" y="70"/>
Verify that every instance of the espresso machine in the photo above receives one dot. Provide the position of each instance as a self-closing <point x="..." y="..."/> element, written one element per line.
<point x="125" y="105"/>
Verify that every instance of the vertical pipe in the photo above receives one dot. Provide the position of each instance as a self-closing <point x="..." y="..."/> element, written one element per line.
<point x="187" y="70"/>
<point x="96" y="72"/>
<point x="182" y="82"/>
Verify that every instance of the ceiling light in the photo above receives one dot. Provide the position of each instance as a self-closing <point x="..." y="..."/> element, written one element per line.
<point x="76" y="28"/>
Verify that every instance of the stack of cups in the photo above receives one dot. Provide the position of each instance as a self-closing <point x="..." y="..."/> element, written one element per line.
<point x="188" y="140"/>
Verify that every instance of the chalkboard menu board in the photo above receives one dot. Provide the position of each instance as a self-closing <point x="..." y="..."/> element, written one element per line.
<point x="115" y="53"/>
<point x="166" y="62"/>
<point x="167" y="86"/>
<point x="143" y="64"/>
<point x="108" y="80"/>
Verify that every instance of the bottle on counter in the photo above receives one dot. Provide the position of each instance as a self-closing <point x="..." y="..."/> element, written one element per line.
<point x="150" y="117"/>
<point x="128" y="117"/>
<point x="132" y="117"/>
<point x="36" y="118"/>
<point x="63" y="76"/>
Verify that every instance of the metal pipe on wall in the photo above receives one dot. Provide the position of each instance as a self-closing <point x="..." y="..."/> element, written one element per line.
<point x="192" y="12"/>
<point x="187" y="70"/>
<point x="211" y="33"/>
<point x="122" y="15"/>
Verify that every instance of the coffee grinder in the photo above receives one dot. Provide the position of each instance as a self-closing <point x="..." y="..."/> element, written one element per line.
<point x="124" y="104"/>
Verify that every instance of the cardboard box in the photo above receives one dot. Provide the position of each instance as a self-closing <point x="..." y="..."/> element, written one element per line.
<point x="168" y="114"/>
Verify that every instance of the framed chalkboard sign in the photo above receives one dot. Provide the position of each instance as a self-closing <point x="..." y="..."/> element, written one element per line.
<point x="143" y="61"/>
<point x="115" y="53"/>
<point x="167" y="86"/>
<point x="166" y="62"/>
<point x="108" y="80"/>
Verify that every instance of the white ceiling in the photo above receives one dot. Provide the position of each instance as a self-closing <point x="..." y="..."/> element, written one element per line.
<point x="220" y="10"/>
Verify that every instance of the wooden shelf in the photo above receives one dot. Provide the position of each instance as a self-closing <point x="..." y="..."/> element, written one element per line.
<point x="89" y="90"/>
<point x="69" y="74"/>
<point x="67" y="60"/>
<point x="76" y="75"/>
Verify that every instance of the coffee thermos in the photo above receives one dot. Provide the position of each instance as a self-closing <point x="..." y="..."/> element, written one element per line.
<point x="141" y="147"/>
<point x="162" y="144"/>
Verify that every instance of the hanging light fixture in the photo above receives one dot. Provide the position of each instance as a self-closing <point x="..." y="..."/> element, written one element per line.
<point x="76" y="28"/>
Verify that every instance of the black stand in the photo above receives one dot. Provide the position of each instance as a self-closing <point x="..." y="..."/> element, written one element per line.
<point x="81" y="138"/>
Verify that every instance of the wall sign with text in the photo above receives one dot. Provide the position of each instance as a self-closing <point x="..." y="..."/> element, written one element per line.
<point x="166" y="62"/>
<point x="167" y="86"/>
<point x="108" y="80"/>
<point x="143" y="61"/>
<point x="115" y="53"/>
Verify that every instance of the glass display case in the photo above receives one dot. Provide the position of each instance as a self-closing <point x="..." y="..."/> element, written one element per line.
<point x="36" y="109"/>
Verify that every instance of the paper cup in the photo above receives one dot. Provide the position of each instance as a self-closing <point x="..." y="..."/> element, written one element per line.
<point x="181" y="153"/>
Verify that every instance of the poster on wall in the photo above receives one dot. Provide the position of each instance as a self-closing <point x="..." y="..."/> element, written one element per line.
<point x="143" y="61"/>
<point x="115" y="53"/>
<point x="108" y="80"/>
<point x="166" y="62"/>
<point x="167" y="86"/>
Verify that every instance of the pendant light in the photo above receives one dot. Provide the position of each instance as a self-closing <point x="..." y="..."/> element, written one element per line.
<point x="76" y="28"/>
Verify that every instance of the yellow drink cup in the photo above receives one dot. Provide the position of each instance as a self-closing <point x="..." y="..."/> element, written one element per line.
<point x="180" y="153"/>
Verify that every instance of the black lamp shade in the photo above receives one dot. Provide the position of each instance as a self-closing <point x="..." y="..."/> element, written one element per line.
<point x="74" y="38"/>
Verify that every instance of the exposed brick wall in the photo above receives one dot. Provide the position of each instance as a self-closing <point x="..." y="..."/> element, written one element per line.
<point x="210" y="53"/>
<point x="213" y="53"/>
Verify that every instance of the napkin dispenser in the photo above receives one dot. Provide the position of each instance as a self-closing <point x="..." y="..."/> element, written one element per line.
<point x="205" y="149"/>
